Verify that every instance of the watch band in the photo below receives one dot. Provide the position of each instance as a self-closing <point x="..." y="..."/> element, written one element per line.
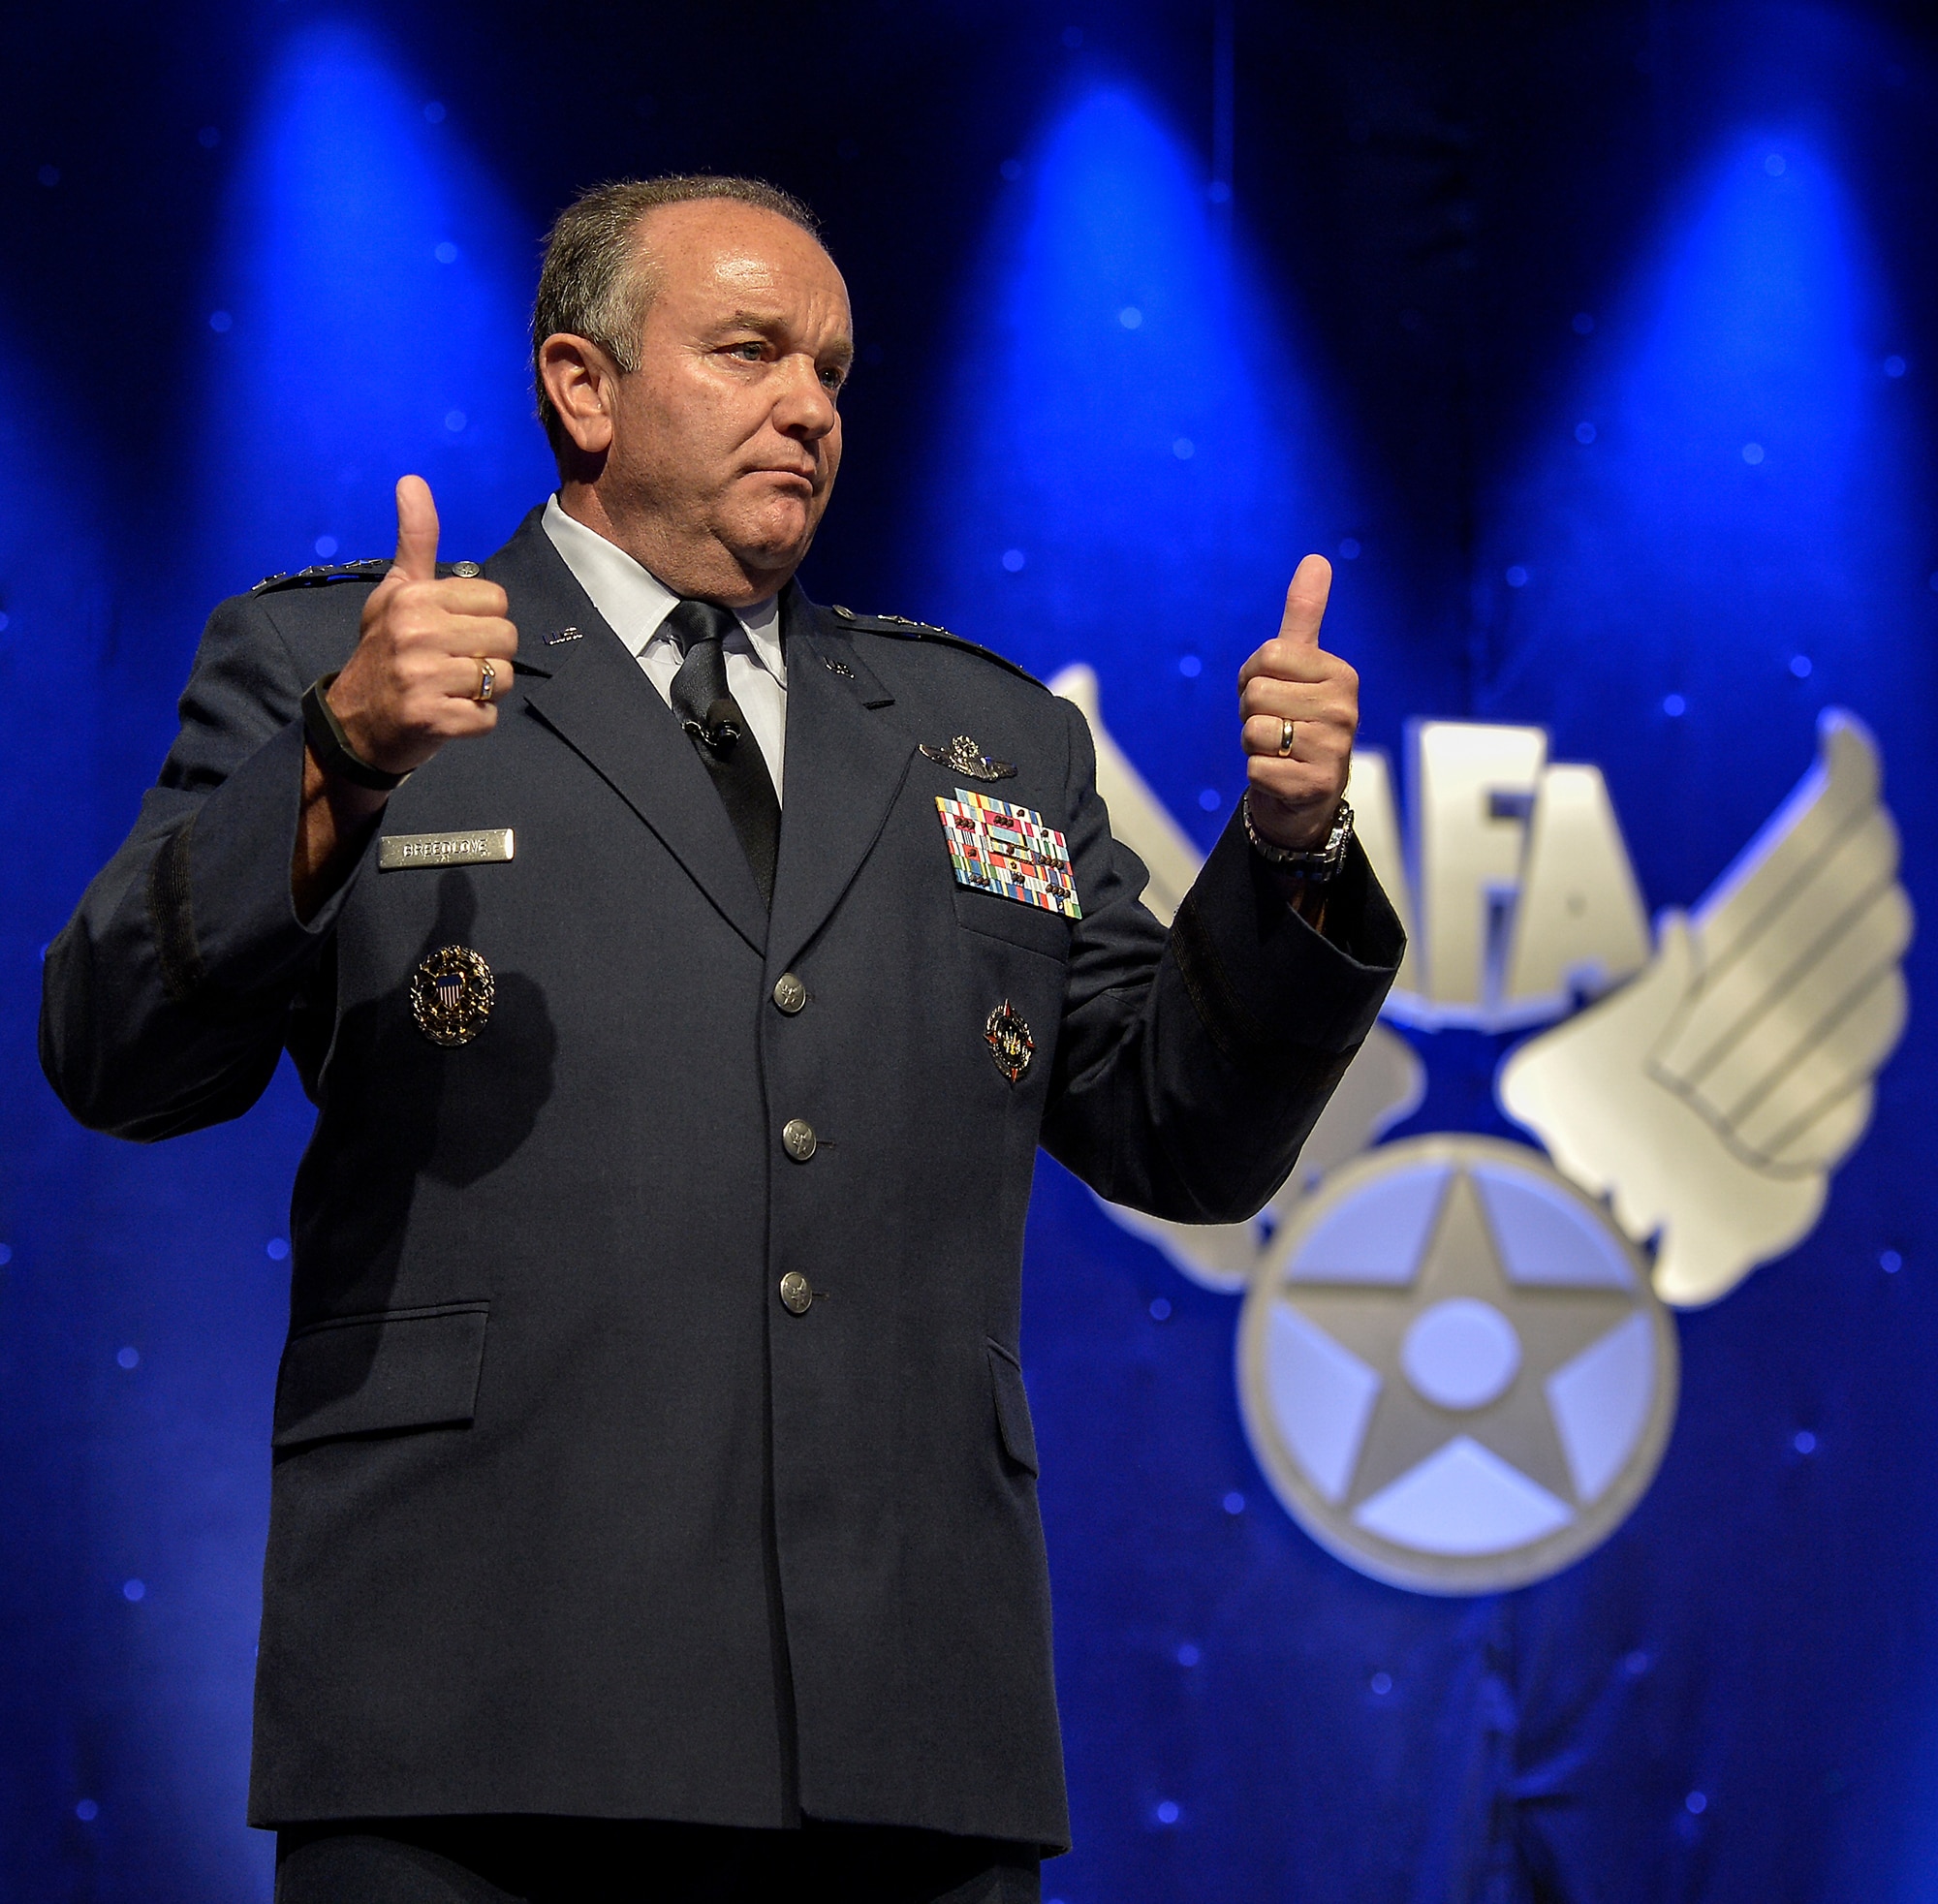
<point x="331" y="746"/>
<point x="1316" y="866"/>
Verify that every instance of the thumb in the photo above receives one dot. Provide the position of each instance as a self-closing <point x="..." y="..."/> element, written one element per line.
<point x="417" y="531"/>
<point x="1305" y="602"/>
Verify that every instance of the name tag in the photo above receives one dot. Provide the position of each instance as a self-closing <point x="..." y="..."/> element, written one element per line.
<point x="396" y="851"/>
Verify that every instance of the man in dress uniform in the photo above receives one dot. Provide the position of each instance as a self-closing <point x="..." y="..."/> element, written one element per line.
<point x="685" y="975"/>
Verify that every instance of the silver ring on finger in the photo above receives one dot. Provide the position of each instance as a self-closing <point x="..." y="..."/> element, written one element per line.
<point x="487" y="681"/>
<point x="1284" y="738"/>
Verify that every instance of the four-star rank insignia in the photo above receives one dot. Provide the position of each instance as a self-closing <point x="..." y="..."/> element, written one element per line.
<point x="451" y="996"/>
<point x="963" y="756"/>
<point x="1010" y="1042"/>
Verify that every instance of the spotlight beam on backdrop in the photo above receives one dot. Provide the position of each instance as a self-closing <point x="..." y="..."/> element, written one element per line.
<point x="1724" y="525"/>
<point x="1136" y="455"/>
<point x="367" y="316"/>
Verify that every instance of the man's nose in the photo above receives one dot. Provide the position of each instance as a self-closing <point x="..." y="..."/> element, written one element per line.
<point x="805" y="408"/>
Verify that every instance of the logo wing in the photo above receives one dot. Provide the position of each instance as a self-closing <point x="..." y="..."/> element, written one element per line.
<point x="1713" y="1095"/>
<point x="1384" y="1083"/>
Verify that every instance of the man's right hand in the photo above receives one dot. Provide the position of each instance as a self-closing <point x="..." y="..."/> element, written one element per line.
<point x="412" y="683"/>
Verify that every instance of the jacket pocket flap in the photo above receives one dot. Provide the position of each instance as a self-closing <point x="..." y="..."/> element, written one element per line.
<point x="1012" y="1415"/>
<point x="398" y="1368"/>
<point x="1013" y="922"/>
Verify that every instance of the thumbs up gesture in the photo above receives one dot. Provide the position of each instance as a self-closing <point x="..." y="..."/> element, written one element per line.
<point x="1300" y="708"/>
<point x="429" y="649"/>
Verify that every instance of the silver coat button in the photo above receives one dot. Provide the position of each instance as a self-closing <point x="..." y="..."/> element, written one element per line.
<point x="790" y="994"/>
<point x="797" y="1139"/>
<point x="795" y="1295"/>
<point x="466" y="569"/>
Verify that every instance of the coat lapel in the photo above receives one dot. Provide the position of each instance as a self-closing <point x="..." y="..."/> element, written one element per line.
<point x="592" y="694"/>
<point x="846" y="762"/>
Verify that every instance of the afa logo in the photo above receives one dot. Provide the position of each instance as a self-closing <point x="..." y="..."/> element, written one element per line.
<point x="1455" y="1363"/>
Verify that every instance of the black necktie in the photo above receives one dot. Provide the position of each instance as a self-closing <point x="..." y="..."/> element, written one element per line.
<point x="718" y="730"/>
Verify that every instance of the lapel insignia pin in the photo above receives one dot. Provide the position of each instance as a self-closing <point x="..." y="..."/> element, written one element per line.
<point x="963" y="756"/>
<point x="1010" y="1042"/>
<point x="451" y="996"/>
<point x="559" y="634"/>
<point x="833" y="666"/>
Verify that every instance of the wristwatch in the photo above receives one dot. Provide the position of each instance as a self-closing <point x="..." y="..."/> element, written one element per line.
<point x="1316" y="866"/>
<point x="332" y="745"/>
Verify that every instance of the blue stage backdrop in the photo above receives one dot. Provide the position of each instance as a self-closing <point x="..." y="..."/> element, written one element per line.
<point x="1707" y="517"/>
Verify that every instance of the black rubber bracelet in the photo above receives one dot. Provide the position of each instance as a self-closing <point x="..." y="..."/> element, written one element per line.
<point x="332" y="745"/>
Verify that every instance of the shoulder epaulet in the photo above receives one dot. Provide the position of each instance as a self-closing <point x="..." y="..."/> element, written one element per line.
<point x="903" y="629"/>
<point x="372" y="569"/>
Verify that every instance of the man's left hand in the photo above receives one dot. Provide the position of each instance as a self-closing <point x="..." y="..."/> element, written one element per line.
<point x="1295" y="794"/>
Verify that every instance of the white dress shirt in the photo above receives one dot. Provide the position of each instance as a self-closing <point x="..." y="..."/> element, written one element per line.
<point x="635" y="602"/>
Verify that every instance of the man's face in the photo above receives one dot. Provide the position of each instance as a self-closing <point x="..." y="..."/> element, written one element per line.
<point x="727" y="439"/>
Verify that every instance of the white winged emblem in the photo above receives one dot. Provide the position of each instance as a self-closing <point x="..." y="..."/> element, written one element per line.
<point x="1710" y="1097"/>
<point x="1455" y="1366"/>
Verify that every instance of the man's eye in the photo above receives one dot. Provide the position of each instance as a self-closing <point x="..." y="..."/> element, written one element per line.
<point x="833" y="378"/>
<point x="751" y="352"/>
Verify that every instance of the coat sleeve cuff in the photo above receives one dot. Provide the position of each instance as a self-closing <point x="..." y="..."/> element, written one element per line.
<point x="1263" y="979"/>
<point x="219" y="897"/>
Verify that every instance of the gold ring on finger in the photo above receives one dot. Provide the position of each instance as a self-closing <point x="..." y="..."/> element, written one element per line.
<point x="1284" y="738"/>
<point x="487" y="681"/>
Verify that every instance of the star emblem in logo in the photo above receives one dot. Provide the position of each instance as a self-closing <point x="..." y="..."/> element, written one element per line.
<point x="1461" y="1340"/>
<point x="1456" y="1375"/>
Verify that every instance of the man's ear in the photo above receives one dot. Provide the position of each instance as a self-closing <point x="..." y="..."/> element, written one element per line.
<point x="583" y="383"/>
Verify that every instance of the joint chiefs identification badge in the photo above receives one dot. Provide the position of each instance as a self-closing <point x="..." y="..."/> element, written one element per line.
<point x="451" y="996"/>
<point x="1010" y="1042"/>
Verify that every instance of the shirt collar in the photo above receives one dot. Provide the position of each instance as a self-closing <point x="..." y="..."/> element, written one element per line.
<point x="635" y="601"/>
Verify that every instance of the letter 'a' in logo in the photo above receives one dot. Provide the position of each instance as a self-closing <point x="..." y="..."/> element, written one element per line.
<point x="1456" y="1365"/>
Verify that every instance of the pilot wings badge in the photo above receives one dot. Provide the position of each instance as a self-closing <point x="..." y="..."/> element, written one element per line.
<point x="963" y="756"/>
<point x="1455" y="1364"/>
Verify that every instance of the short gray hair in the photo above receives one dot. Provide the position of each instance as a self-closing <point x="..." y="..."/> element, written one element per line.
<point x="596" y="284"/>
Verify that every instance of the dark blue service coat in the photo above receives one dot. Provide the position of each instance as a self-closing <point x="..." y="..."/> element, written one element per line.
<point x="570" y="1515"/>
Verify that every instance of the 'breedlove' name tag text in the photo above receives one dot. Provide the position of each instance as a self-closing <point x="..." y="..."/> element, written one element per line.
<point x="481" y="847"/>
